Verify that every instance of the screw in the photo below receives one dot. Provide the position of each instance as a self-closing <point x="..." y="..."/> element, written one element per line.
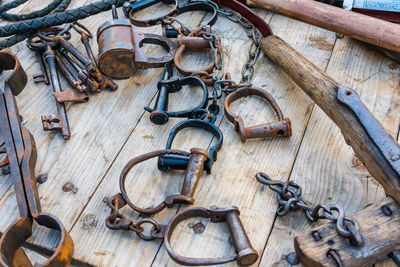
<point x="41" y="178"/>
<point x="105" y="199"/>
<point x="316" y="235"/>
<point x="387" y="211"/>
<point x="395" y="157"/>
<point x="6" y="170"/>
<point x="292" y="258"/>
<point x="68" y="187"/>
<point x="198" y="228"/>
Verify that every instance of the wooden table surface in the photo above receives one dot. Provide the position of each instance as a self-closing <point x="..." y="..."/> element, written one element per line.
<point x="113" y="127"/>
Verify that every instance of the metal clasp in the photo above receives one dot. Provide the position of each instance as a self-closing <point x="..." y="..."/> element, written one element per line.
<point x="282" y="127"/>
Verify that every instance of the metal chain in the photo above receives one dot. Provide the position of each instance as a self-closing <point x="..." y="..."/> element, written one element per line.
<point x="117" y="221"/>
<point x="289" y="198"/>
<point x="222" y="83"/>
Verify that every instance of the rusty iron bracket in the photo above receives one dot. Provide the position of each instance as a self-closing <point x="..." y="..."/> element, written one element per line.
<point x="385" y="143"/>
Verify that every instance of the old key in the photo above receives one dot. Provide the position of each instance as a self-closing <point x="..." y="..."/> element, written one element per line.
<point x="21" y="158"/>
<point x="86" y="35"/>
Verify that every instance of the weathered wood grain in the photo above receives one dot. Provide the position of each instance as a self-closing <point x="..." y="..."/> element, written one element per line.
<point x="326" y="167"/>
<point x="112" y="128"/>
<point x="380" y="233"/>
<point x="235" y="170"/>
<point x="374" y="31"/>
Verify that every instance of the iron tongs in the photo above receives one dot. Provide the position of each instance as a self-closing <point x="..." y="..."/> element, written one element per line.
<point x="19" y="145"/>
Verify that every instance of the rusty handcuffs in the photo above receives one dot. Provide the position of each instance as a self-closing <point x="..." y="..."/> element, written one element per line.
<point x="246" y="254"/>
<point x="201" y="40"/>
<point x="197" y="157"/>
<point x="171" y="162"/>
<point x="282" y="127"/>
<point x="21" y="158"/>
<point x="131" y="7"/>
<point x="160" y="114"/>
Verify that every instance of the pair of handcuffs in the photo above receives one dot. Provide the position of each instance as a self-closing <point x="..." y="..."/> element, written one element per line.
<point x="194" y="162"/>
<point x="186" y="38"/>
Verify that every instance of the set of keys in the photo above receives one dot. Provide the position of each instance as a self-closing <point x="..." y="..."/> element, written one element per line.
<point x="57" y="55"/>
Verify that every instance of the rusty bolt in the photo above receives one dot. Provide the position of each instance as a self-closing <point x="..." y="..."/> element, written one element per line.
<point x="198" y="228"/>
<point x="316" y="235"/>
<point x="292" y="258"/>
<point x="387" y="211"/>
<point x="6" y="170"/>
<point x="41" y="178"/>
<point x="395" y="157"/>
<point x="68" y="187"/>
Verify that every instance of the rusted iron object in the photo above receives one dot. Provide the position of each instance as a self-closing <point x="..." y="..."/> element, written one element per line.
<point x="194" y="43"/>
<point x="289" y="198"/>
<point x="358" y="126"/>
<point x="61" y="41"/>
<point x="160" y="113"/>
<point x="281" y="128"/>
<point x="246" y="254"/>
<point x="172" y="162"/>
<point x="43" y="76"/>
<point x="120" y="49"/>
<point x="82" y="74"/>
<point x="131" y="7"/>
<point x="384" y="142"/>
<point x="58" y="122"/>
<point x="171" y="31"/>
<point x="104" y="81"/>
<point x="69" y="75"/>
<point x="21" y="153"/>
<point x="197" y="157"/>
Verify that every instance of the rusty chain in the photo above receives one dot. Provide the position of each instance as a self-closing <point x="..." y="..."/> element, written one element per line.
<point x="223" y="83"/>
<point x="289" y="198"/>
<point x="221" y="80"/>
<point x="117" y="221"/>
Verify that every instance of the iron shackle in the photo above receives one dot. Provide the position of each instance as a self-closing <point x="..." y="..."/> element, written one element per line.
<point x="282" y="127"/>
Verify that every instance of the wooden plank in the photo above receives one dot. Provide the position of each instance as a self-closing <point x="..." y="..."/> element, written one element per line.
<point x="325" y="166"/>
<point x="86" y="157"/>
<point x="103" y="247"/>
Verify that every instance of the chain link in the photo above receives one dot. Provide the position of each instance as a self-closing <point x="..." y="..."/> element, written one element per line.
<point x="117" y="221"/>
<point x="289" y="198"/>
<point x="227" y="85"/>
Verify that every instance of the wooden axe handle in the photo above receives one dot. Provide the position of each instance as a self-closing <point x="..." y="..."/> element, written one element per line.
<point x="323" y="91"/>
<point x="358" y="26"/>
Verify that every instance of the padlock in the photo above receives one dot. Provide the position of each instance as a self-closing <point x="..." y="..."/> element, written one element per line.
<point x="119" y="49"/>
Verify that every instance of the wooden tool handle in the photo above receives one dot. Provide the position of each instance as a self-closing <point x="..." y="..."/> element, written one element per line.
<point x="323" y="91"/>
<point x="361" y="27"/>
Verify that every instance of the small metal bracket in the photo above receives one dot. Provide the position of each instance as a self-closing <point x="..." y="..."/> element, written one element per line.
<point x="385" y="143"/>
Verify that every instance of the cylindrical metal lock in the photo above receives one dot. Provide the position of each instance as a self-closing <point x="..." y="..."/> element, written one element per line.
<point x="116" y="49"/>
